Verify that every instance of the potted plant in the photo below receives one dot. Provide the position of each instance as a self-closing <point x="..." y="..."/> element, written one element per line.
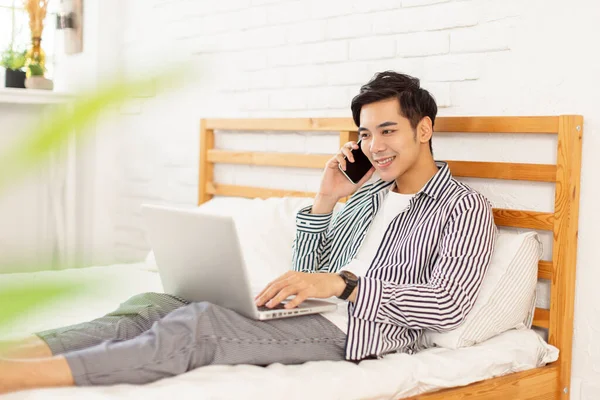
<point x="14" y="61"/>
<point x="35" y="79"/>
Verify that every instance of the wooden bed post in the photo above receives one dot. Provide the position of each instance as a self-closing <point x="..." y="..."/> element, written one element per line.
<point x="564" y="252"/>
<point x="206" y="173"/>
<point x="346" y="136"/>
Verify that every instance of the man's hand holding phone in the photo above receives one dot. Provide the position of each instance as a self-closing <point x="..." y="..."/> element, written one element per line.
<point x="335" y="185"/>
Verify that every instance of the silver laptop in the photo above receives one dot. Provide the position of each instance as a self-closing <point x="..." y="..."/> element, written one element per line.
<point x="199" y="258"/>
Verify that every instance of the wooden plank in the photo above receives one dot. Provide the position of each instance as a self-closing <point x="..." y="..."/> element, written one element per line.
<point x="512" y="218"/>
<point x="534" y="384"/>
<point x="346" y="136"/>
<point x="524" y="219"/>
<point x="545" y="270"/>
<point x="497" y="124"/>
<point x="283" y="124"/>
<point x="252" y="192"/>
<point x="206" y="172"/>
<point x="564" y="249"/>
<point x="542" y="124"/>
<point x="498" y="170"/>
<point x="541" y="318"/>
<point x="528" y="172"/>
<point x="268" y="159"/>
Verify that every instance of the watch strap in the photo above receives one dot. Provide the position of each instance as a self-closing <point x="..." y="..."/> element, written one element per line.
<point x="350" y="285"/>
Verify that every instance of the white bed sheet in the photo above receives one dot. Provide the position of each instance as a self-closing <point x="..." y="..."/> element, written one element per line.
<point x="396" y="375"/>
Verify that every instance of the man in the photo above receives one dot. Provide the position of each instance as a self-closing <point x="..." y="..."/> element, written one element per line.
<point x="407" y="253"/>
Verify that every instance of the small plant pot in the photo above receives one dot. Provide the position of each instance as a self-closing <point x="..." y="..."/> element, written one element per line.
<point x="14" y="79"/>
<point x="39" y="82"/>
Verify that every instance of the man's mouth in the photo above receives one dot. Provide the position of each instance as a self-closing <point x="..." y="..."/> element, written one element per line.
<point x="384" y="162"/>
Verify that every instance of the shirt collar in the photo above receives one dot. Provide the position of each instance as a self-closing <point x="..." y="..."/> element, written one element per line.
<point x="432" y="188"/>
<point x="438" y="182"/>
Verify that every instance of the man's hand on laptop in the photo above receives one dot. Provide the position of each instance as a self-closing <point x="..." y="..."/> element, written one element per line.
<point x="301" y="284"/>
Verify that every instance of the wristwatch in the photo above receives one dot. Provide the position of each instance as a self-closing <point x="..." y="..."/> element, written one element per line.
<point x="351" y="282"/>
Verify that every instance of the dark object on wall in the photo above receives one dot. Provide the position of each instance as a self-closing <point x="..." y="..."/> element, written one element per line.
<point x="70" y="21"/>
<point x="14" y="79"/>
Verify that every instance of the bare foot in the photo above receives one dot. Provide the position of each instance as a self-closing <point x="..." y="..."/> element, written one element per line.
<point x="30" y="347"/>
<point x="30" y="374"/>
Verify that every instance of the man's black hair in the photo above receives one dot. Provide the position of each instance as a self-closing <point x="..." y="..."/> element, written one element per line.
<point x="415" y="102"/>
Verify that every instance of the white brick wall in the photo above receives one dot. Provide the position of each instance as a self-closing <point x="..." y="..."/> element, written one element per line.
<point x="308" y="58"/>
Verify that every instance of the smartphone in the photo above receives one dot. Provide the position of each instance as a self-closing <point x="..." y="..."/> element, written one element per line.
<point x="356" y="170"/>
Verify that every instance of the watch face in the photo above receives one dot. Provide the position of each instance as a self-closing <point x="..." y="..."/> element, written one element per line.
<point x="349" y="275"/>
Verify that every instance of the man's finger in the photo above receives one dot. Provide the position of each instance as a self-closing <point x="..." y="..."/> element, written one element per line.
<point x="283" y="277"/>
<point x="341" y="161"/>
<point x="266" y="288"/>
<point x="282" y="295"/>
<point x="296" y="301"/>
<point x="348" y="153"/>
<point x="270" y="291"/>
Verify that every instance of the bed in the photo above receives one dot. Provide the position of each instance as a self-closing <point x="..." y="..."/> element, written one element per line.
<point x="517" y="364"/>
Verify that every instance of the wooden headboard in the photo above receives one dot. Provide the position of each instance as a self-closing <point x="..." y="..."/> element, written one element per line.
<point x="563" y="222"/>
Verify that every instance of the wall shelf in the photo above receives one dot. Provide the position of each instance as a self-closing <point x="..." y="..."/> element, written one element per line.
<point x="32" y="96"/>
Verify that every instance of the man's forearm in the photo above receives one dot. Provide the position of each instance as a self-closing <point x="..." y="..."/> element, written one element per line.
<point x="323" y="204"/>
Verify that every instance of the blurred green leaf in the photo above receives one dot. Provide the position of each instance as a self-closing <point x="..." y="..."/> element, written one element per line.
<point x="18" y="300"/>
<point x="36" y="70"/>
<point x="46" y="136"/>
<point x="51" y="132"/>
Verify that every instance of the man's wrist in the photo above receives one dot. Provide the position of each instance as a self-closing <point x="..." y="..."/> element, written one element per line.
<point x="349" y="282"/>
<point x="352" y="297"/>
<point x="340" y="285"/>
<point x="323" y="204"/>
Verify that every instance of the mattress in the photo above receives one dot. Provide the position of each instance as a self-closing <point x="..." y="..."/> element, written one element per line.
<point x="396" y="375"/>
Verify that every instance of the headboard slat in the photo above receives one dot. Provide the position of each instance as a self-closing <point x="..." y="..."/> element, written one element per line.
<point x="252" y="192"/>
<point x="502" y="217"/>
<point x="268" y="159"/>
<point x="536" y="124"/>
<point x="497" y="124"/>
<point x="472" y="169"/>
<point x="283" y="124"/>
<point x="502" y="170"/>
<point x="545" y="270"/>
<point x="524" y="219"/>
<point x="541" y="318"/>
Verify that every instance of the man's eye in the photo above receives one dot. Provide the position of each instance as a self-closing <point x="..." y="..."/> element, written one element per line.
<point x="363" y="135"/>
<point x="387" y="131"/>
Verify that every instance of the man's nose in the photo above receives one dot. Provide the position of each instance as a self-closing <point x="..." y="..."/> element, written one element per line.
<point x="377" y="145"/>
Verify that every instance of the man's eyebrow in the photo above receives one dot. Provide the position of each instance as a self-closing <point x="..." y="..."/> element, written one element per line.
<point x="381" y="125"/>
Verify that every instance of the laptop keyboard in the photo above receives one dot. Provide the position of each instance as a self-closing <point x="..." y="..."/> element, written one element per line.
<point x="279" y="306"/>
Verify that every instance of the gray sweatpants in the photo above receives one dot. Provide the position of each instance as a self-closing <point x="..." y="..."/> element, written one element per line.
<point x="154" y="336"/>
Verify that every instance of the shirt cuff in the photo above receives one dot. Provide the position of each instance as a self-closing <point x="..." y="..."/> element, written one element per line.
<point x="370" y="297"/>
<point x="312" y="223"/>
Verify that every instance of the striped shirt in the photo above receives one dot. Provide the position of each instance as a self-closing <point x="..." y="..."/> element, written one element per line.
<point x="426" y="273"/>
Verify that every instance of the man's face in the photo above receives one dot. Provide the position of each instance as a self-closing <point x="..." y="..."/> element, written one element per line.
<point x="388" y="139"/>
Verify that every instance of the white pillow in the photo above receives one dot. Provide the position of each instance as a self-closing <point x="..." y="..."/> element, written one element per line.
<point x="507" y="297"/>
<point x="266" y="229"/>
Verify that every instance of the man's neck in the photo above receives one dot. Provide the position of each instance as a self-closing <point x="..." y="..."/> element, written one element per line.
<point x="415" y="178"/>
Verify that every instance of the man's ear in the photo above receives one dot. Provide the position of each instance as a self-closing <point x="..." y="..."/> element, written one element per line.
<point x="424" y="130"/>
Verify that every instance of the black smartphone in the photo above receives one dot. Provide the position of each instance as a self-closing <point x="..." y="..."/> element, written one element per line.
<point x="356" y="170"/>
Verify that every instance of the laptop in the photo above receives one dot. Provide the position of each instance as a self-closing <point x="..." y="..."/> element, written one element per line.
<point x="199" y="258"/>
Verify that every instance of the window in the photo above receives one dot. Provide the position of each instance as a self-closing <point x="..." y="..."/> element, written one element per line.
<point x="14" y="28"/>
